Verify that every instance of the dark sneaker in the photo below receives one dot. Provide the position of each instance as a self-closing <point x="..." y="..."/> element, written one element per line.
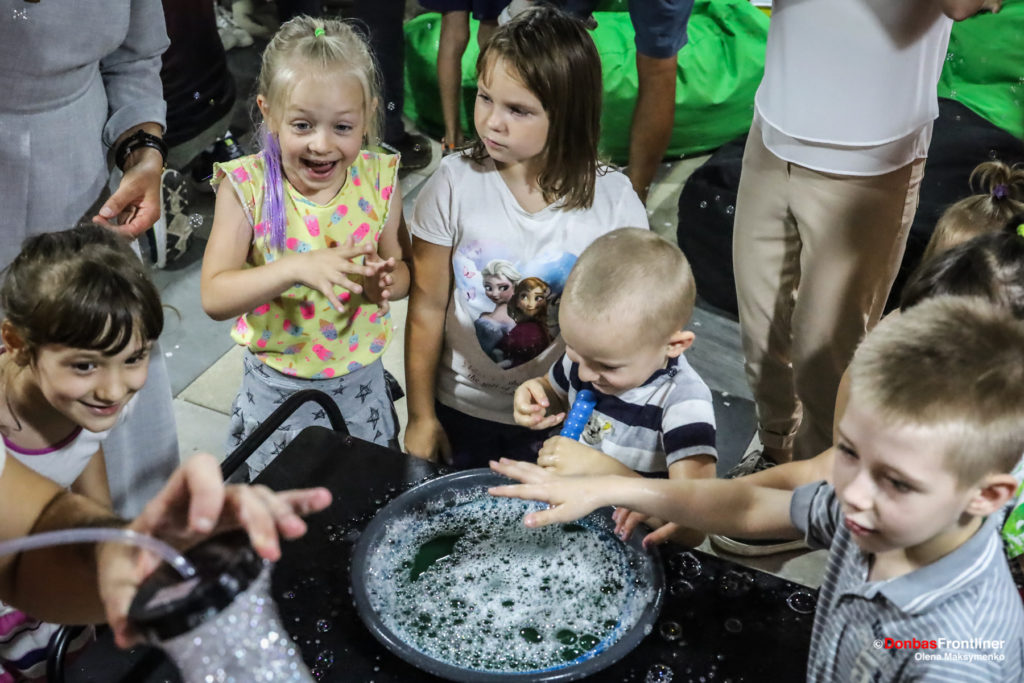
<point x="170" y="236"/>
<point x="752" y="461"/>
<point x="223" y="150"/>
<point x="415" y="150"/>
<point x="447" y="148"/>
<point x="176" y="216"/>
<point x="755" y="547"/>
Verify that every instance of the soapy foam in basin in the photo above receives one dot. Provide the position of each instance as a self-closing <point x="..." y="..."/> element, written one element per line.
<point x="464" y="582"/>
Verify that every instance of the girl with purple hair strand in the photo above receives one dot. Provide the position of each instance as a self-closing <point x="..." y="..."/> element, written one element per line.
<point x="308" y="245"/>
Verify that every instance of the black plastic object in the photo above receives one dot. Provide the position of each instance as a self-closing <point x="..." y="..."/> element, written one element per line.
<point x="276" y="419"/>
<point x="57" y="651"/>
<point x="168" y="605"/>
<point x="648" y="564"/>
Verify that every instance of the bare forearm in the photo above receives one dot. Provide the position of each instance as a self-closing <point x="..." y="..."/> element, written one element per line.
<point x="231" y="293"/>
<point x="788" y="476"/>
<point x="423" y="339"/>
<point x="711" y="505"/>
<point x="59" y="584"/>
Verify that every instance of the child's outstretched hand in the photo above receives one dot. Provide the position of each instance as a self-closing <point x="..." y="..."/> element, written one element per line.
<point x="570" y="497"/>
<point x="325" y="269"/>
<point x="377" y="286"/>
<point x="529" y="405"/>
<point x="568" y="458"/>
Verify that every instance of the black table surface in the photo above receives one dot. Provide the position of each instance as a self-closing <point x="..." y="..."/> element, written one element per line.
<point x="719" y="621"/>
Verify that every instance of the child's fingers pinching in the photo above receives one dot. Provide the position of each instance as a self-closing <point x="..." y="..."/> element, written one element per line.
<point x="549" y="421"/>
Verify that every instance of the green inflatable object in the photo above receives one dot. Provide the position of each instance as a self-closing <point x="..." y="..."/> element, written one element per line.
<point x="984" y="67"/>
<point x="719" y="71"/>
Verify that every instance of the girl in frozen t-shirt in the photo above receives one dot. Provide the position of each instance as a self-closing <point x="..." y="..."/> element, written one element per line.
<point x="530" y="191"/>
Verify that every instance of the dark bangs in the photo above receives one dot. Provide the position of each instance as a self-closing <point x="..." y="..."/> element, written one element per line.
<point x="105" y="307"/>
<point x="82" y="288"/>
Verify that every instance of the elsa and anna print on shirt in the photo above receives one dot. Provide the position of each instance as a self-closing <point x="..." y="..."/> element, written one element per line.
<point x="513" y="302"/>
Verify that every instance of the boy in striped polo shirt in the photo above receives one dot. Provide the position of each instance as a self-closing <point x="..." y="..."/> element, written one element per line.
<point x="622" y="314"/>
<point x="917" y="586"/>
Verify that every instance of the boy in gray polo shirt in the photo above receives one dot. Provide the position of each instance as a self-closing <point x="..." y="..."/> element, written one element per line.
<point x="917" y="587"/>
<point x="622" y="314"/>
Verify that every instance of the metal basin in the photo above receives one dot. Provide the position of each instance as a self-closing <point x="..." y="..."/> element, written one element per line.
<point x="517" y="595"/>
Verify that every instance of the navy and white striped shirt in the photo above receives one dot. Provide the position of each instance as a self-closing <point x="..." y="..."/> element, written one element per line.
<point x="647" y="428"/>
<point x="966" y="597"/>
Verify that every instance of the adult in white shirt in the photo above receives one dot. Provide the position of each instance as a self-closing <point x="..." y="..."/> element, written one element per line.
<point x="829" y="188"/>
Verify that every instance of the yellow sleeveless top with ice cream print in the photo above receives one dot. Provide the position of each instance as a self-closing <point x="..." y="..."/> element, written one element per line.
<point x="299" y="333"/>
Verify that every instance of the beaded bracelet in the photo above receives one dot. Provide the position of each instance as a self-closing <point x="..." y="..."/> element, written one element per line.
<point x="136" y="140"/>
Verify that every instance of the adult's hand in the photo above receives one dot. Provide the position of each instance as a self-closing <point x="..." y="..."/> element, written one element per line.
<point x="194" y="505"/>
<point x="136" y="203"/>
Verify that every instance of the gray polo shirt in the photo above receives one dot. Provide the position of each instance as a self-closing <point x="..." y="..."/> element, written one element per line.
<point x="650" y="427"/>
<point x="957" y="619"/>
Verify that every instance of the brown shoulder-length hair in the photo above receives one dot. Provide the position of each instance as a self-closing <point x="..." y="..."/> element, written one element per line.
<point x="555" y="58"/>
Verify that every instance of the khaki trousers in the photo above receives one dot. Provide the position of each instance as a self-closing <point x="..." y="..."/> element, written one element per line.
<point x="815" y="255"/>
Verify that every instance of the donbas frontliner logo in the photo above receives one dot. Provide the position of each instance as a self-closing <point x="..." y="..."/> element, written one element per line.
<point x="940" y="644"/>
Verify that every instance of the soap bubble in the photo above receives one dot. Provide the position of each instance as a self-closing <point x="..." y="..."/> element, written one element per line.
<point x="687" y="565"/>
<point x="659" y="673"/>
<point x="670" y="631"/>
<point x="802" y="602"/>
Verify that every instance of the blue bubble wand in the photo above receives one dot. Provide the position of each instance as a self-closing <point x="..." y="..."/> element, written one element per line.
<point x="579" y="414"/>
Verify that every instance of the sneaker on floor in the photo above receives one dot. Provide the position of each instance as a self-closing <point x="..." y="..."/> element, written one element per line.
<point x="415" y="150"/>
<point x="176" y="215"/>
<point x="755" y="547"/>
<point x="447" y="148"/>
<point x="231" y="34"/>
<point x="752" y="461"/>
<point x="251" y="21"/>
<point x="223" y="150"/>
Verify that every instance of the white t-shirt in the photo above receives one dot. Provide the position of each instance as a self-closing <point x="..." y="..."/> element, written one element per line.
<point x="850" y="85"/>
<point x="468" y="207"/>
<point x="64" y="462"/>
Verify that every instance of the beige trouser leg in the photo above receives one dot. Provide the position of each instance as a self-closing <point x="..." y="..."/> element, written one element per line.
<point x="815" y="256"/>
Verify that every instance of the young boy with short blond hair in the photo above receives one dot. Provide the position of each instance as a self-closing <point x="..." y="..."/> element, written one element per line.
<point x="934" y="424"/>
<point x="622" y="314"/>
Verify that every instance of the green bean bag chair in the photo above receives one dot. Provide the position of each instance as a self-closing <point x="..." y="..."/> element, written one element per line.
<point x="984" y="67"/>
<point x="719" y="71"/>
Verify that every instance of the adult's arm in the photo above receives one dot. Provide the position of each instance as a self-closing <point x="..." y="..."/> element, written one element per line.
<point x="131" y="79"/>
